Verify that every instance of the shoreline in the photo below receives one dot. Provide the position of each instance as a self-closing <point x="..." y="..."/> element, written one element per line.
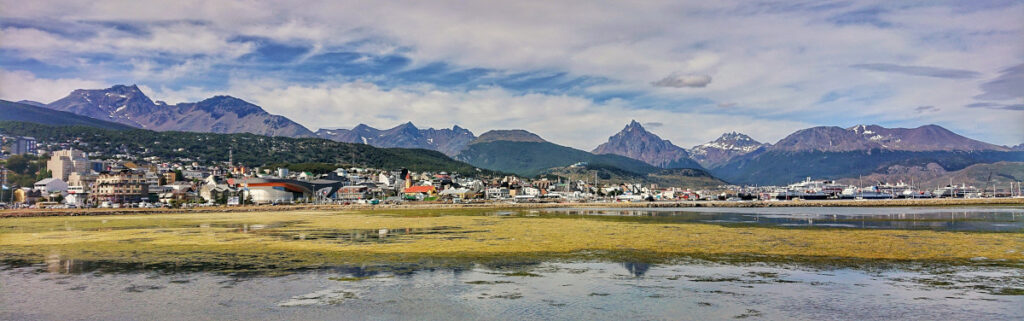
<point x="11" y="213"/>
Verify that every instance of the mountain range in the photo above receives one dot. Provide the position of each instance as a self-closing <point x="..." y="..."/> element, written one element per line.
<point x="820" y="152"/>
<point x="867" y="137"/>
<point x="833" y="152"/>
<point x="525" y="153"/>
<point x="448" y="141"/>
<point x="220" y="114"/>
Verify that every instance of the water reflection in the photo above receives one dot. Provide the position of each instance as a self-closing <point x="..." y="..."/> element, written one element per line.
<point x="945" y="219"/>
<point x="637" y="269"/>
<point x="562" y="290"/>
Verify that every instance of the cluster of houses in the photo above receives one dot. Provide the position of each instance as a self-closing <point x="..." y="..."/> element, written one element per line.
<point x="79" y="181"/>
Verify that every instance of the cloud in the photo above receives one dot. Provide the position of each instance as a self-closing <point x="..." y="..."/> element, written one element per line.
<point x="926" y="109"/>
<point x="726" y="105"/>
<point x="1009" y="85"/>
<point x="773" y="60"/>
<point x="23" y="85"/>
<point x="653" y="124"/>
<point x="682" y="81"/>
<point x="997" y="106"/>
<point x="920" y="71"/>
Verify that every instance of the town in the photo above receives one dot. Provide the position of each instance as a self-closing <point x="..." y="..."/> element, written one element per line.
<point x="72" y="178"/>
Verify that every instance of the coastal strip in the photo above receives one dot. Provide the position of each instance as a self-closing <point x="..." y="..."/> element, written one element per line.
<point x="502" y="205"/>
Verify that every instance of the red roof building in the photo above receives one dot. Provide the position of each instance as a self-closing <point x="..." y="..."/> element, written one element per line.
<point x="429" y="190"/>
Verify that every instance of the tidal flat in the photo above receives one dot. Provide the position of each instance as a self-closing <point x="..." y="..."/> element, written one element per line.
<point x="714" y="261"/>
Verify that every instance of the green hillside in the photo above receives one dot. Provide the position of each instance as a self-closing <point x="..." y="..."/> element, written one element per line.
<point x="249" y="149"/>
<point x="691" y="178"/>
<point x="12" y="111"/>
<point x="532" y="158"/>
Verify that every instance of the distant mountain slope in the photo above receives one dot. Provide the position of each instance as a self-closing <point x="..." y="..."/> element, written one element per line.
<point x="680" y="177"/>
<point x="923" y="138"/>
<point x="221" y="114"/>
<point x="249" y="149"/>
<point x="10" y="111"/>
<point x="867" y="137"/>
<point x="782" y="167"/>
<point x="834" y="153"/>
<point x="826" y="139"/>
<point x="526" y="156"/>
<point x="728" y="146"/>
<point x="448" y="141"/>
<point x="509" y="135"/>
<point x="31" y="103"/>
<point x="637" y="143"/>
<point x="932" y="176"/>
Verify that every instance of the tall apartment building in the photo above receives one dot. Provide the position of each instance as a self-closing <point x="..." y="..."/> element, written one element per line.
<point x="124" y="186"/>
<point x="24" y="145"/>
<point x="64" y="162"/>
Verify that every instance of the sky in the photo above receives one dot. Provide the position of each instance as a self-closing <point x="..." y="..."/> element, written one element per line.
<point x="574" y="72"/>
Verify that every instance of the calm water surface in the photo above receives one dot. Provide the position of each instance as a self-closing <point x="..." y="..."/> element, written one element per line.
<point x="67" y="289"/>
<point x="980" y="219"/>
<point x="605" y="291"/>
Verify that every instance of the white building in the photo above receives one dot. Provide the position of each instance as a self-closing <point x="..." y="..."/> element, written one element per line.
<point x="264" y="195"/>
<point x="64" y="162"/>
<point x="51" y="185"/>
<point x="75" y="199"/>
<point x="497" y="193"/>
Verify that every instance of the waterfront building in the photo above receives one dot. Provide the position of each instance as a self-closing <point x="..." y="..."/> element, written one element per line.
<point x="124" y="186"/>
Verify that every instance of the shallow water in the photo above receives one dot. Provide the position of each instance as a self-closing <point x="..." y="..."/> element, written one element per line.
<point x="976" y="219"/>
<point x="586" y="290"/>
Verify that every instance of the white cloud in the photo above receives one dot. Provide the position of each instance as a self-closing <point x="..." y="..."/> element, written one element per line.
<point x="21" y="85"/>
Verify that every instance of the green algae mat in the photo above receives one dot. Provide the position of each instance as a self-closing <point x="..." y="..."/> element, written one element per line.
<point x="282" y="241"/>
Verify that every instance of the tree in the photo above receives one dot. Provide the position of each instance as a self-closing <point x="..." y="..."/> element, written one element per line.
<point x="20" y="164"/>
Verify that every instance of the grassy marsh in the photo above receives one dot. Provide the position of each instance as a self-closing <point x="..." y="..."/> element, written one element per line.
<point x="281" y="241"/>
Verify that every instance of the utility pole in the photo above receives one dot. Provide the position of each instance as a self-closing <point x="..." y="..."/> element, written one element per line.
<point x="3" y="172"/>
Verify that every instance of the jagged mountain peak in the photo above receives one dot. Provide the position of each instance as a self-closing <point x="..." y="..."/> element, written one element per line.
<point x="406" y="135"/>
<point x="723" y="149"/>
<point x="736" y="137"/>
<point x="635" y="142"/>
<point x="407" y="124"/>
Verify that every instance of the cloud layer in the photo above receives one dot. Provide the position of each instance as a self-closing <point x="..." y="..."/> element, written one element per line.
<point x="779" y="64"/>
<point x="920" y="71"/>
